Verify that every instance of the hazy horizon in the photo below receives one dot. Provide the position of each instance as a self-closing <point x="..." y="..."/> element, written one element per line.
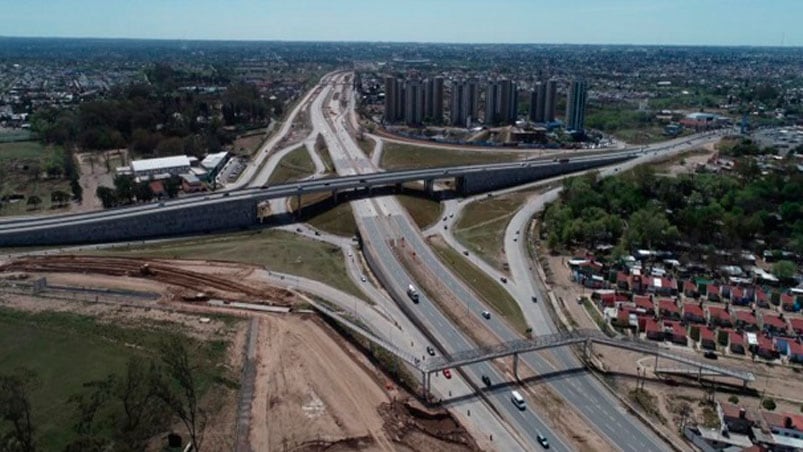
<point x="591" y="22"/>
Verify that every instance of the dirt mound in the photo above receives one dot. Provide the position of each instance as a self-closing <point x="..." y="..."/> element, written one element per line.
<point x="163" y="272"/>
<point x="406" y="421"/>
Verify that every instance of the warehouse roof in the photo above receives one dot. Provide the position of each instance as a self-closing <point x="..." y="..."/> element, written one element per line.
<point x="175" y="161"/>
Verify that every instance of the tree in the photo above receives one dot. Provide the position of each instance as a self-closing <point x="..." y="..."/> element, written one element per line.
<point x="768" y="404"/>
<point x="34" y="201"/>
<point x="107" y="196"/>
<point x="143" y="192"/>
<point x="124" y="188"/>
<point x="171" y="186"/>
<point x="59" y="198"/>
<point x="15" y="409"/>
<point x="733" y="399"/>
<point x="179" y="390"/>
<point x="784" y="269"/>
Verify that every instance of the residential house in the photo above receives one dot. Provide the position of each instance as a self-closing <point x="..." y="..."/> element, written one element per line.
<point x="797" y="325"/>
<point x="690" y="289"/>
<point x="718" y="316"/>
<point x="661" y="285"/>
<point x="746" y="320"/>
<point x="712" y="291"/>
<point x="735" y="418"/>
<point x="693" y="313"/>
<point x="736" y="340"/>
<point x="788" y="302"/>
<point x="741" y="296"/>
<point x="708" y="340"/>
<point x="787" y="425"/>
<point x="762" y="298"/>
<point x="622" y="281"/>
<point x="675" y="332"/>
<point x="667" y="309"/>
<point x="773" y="324"/>
<point x="652" y="330"/>
<point x="795" y="351"/>
<point x="644" y="304"/>
<point x="766" y="348"/>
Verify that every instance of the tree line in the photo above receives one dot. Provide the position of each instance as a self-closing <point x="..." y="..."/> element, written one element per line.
<point x="642" y="209"/>
<point x="118" y="413"/>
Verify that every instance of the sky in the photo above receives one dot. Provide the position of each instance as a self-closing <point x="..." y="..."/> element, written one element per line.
<point x="662" y="22"/>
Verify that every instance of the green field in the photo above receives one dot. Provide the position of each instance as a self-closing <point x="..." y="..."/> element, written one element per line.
<point x="338" y="220"/>
<point x="276" y="250"/>
<point x="424" y="211"/>
<point x="367" y="145"/>
<point x="491" y="292"/>
<point x="21" y="167"/>
<point x="404" y="156"/>
<point x="66" y="350"/>
<point x="481" y="226"/>
<point x="296" y="165"/>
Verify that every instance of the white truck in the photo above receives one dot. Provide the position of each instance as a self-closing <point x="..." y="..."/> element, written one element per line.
<point x="412" y="293"/>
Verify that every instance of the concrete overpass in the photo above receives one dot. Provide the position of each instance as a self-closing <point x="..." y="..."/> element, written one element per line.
<point x="239" y="209"/>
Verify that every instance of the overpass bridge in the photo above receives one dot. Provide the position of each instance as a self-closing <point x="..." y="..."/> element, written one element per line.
<point x="240" y="209"/>
<point x="586" y="337"/>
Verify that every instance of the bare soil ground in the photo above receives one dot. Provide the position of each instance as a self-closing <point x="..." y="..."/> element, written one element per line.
<point x="686" y="162"/>
<point x="314" y="390"/>
<point x="94" y="173"/>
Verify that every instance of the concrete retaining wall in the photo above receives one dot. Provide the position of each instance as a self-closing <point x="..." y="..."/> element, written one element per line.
<point x="191" y="219"/>
<point x="504" y="178"/>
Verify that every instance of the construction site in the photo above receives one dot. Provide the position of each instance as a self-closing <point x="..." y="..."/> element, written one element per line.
<point x="302" y="385"/>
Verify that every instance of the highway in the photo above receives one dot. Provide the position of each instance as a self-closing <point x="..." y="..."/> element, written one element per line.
<point x="381" y="220"/>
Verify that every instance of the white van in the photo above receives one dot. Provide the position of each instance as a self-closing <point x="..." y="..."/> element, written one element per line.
<point x="518" y="400"/>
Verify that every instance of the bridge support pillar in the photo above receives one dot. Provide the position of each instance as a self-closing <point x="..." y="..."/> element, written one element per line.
<point x="460" y="185"/>
<point x="298" y="205"/>
<point x="399" y="187"/>
<point x="516" y="367"/>
<point x="587" y="350"/>
<point x="334" y="196"/>
<point x="429" y="186"/>
<point x="425" y="382"/>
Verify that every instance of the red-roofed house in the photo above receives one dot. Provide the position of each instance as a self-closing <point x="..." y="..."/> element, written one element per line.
<point x="713" y="292"/>
<point x="746" y="320"/>
<point x="736" y="342"/>
<point x="622" y="281"/>
<point x="741" y="296"/>
<point x="676" y="332"/>
<point x="774" y="324"/>
<point x="652" y="330"/>
<point x="708" y="339"/>
<point x="668" y="309"/>
<point x="766" y="348"/>
<point x="661" y="285"/>
<point x="736" y="418"/>
<point x="795" y="352"/>
<point x="784" y="424"/>
<point x="644" y="302"/>
<point x="719" y="317"/>
<point x="762" y="299"/>
<point x="693" y="313"/>
<point x="787" y="302"/>
<point x="797" y="325"/>
<point x="690" y="289"/>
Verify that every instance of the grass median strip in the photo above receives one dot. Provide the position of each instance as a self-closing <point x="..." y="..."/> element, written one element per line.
<point x="405" y="156"/>
<point x="488" y="290"/>
<point x="481" y="227"/>
<point x="294" y="166"/>
<point x="423" y="210"/>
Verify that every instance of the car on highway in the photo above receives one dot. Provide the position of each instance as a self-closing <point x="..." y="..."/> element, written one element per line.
<point x="534" y="298"/>
<point x="486" y="314"/>
<point x="542" y="441"/>
<point x="362" y="278"/>
<point x="430" y="350"/>
<point x="487" y="380"/>
<point x="447" y="373"/>
<point x="465" y="253"/>
<point x="518" y="400"/>
<point x="710" y="355"/>
<point x="503" y="279"/>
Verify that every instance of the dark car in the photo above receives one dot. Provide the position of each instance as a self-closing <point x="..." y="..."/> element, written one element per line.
<point x="486" y="380"/>
<point x="543" y="441"/>
<point x="535" y="299"/>
<point x="710" y="355"/>
<point x="503" y="279"/>
<point x="430" y="351"/>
